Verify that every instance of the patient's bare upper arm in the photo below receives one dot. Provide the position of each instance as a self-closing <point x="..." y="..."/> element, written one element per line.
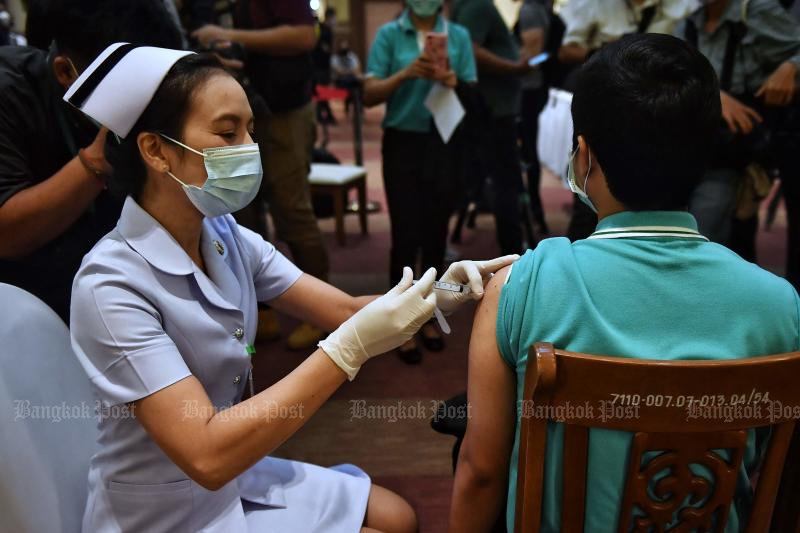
<point x="490" y="391"/>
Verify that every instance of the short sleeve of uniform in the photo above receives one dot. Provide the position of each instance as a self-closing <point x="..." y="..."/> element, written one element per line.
<point x="465" y="69"/>
<point x="477" y="17"/>
<point x="273" y="273"/>
<point x="579" y="18"/>
<point x="118" y="338"/>
<point x="511" y="308"/>
<point x="379" y="61"/>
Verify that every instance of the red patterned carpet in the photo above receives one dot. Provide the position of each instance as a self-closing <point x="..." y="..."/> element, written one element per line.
<point x="381" y="420"/>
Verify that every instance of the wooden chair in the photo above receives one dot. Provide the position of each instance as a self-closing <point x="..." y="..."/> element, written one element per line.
<point x="663" y="391"/>
<point x="337" y="181"/>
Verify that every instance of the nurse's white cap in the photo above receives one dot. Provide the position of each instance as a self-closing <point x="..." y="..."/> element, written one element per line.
<point x="118" y="85"/>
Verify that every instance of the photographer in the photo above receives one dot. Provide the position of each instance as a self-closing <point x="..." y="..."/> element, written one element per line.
<point x="754" y="47"/>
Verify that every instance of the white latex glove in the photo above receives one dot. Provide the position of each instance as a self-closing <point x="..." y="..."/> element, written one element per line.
<point x="473" y="274"/>
<point x="383" y="324"/>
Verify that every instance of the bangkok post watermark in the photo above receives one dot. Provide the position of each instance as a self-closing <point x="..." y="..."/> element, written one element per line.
<point x="100" y="411"/>
<point x="603" y="410"/>
<point x="421" y="409"/>
<point x="251" y="409"/>
<point x="25" y="410"/>
<point x="770" y="411"/>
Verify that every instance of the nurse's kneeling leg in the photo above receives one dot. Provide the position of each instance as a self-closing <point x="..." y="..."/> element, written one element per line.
<point x="389" y="512"/>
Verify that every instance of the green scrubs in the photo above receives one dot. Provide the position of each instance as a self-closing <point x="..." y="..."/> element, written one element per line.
<point x="645" y="286"/>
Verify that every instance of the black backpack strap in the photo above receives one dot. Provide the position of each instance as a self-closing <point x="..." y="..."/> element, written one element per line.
<point x="648" y="14"/>
<point x="736" y="33"/>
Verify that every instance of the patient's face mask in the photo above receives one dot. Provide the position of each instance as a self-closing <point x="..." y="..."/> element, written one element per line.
<point x="572" y="180"/>
<point x="234" y="177"/>
<point x="424" y="8"/>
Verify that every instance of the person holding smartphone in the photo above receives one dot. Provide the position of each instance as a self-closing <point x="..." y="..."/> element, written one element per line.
<point x="416" y="161"/>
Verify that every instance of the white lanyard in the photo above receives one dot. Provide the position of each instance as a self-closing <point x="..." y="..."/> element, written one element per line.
<point x="647" y="231"/>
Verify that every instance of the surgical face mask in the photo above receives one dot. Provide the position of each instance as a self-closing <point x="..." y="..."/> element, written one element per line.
<point x="573" y="182"/>
<point x="425" y="8"/>
<point x="234" y="176"/>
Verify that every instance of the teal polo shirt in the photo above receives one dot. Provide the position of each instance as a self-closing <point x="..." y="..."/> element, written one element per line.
<point x="670" y="297"/>
<point x="396" y="46"/>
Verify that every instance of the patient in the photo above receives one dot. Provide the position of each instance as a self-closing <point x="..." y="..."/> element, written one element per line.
<point x="645" y="285"/>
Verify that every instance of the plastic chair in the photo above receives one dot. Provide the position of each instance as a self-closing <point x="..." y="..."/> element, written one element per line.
<point x="47" y="421"/>
<point x="679" y="434"/>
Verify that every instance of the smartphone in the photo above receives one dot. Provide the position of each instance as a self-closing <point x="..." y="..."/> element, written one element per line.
<point x="538" y="60"/>
<point x="436" y="49"/>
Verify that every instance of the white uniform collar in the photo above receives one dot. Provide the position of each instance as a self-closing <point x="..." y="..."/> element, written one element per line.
<point x="152" y="241"/>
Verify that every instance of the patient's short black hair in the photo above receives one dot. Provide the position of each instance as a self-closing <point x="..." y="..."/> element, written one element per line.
<point x="649" y="108"/>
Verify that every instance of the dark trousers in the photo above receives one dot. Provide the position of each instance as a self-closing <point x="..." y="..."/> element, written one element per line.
<point x="419" y="187"/>
<point x="503" y="165"/>
<point x="533" y="101"/>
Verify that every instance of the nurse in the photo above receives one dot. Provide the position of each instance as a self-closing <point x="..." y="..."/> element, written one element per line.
<point x="164" y="318"/>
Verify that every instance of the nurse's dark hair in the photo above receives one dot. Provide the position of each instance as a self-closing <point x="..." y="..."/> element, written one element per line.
<point x="82" y="29"/>
<point x="649" y="109"/>
<point x="166" y="113"/>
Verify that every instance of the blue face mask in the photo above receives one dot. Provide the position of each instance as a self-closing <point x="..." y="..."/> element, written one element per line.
<point x="573" y="182"/>
<point x="234" y="176"/>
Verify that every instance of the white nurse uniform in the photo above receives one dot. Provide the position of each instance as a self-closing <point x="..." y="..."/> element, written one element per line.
<point x="144" y="317"/>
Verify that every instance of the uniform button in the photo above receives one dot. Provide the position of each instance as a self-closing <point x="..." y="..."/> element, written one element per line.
<point x="237" y="379"/>
<point x="220" y="247"/>
<point x="238" y="333"/>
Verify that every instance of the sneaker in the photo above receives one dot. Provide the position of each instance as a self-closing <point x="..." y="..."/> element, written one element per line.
<point x="304" y="336"/>
<point x="268" y="327"/>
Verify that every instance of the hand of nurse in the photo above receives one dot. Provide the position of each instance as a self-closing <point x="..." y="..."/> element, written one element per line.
<point x="473" y="274"/>
<point x="384" y="324"/>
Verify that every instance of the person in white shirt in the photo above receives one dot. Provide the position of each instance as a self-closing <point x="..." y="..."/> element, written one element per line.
<point x="593" y="23"/>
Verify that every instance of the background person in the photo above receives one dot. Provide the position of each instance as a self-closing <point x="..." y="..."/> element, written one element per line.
<point x="53" y="202"/>
<point x="761" y="114"/>
<point x="500" y="68"/>
<point x="532" y="32"/>
<point x="417" y="163"/>
<point x="591" y="24"/>
<point x="346" y="71"/>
